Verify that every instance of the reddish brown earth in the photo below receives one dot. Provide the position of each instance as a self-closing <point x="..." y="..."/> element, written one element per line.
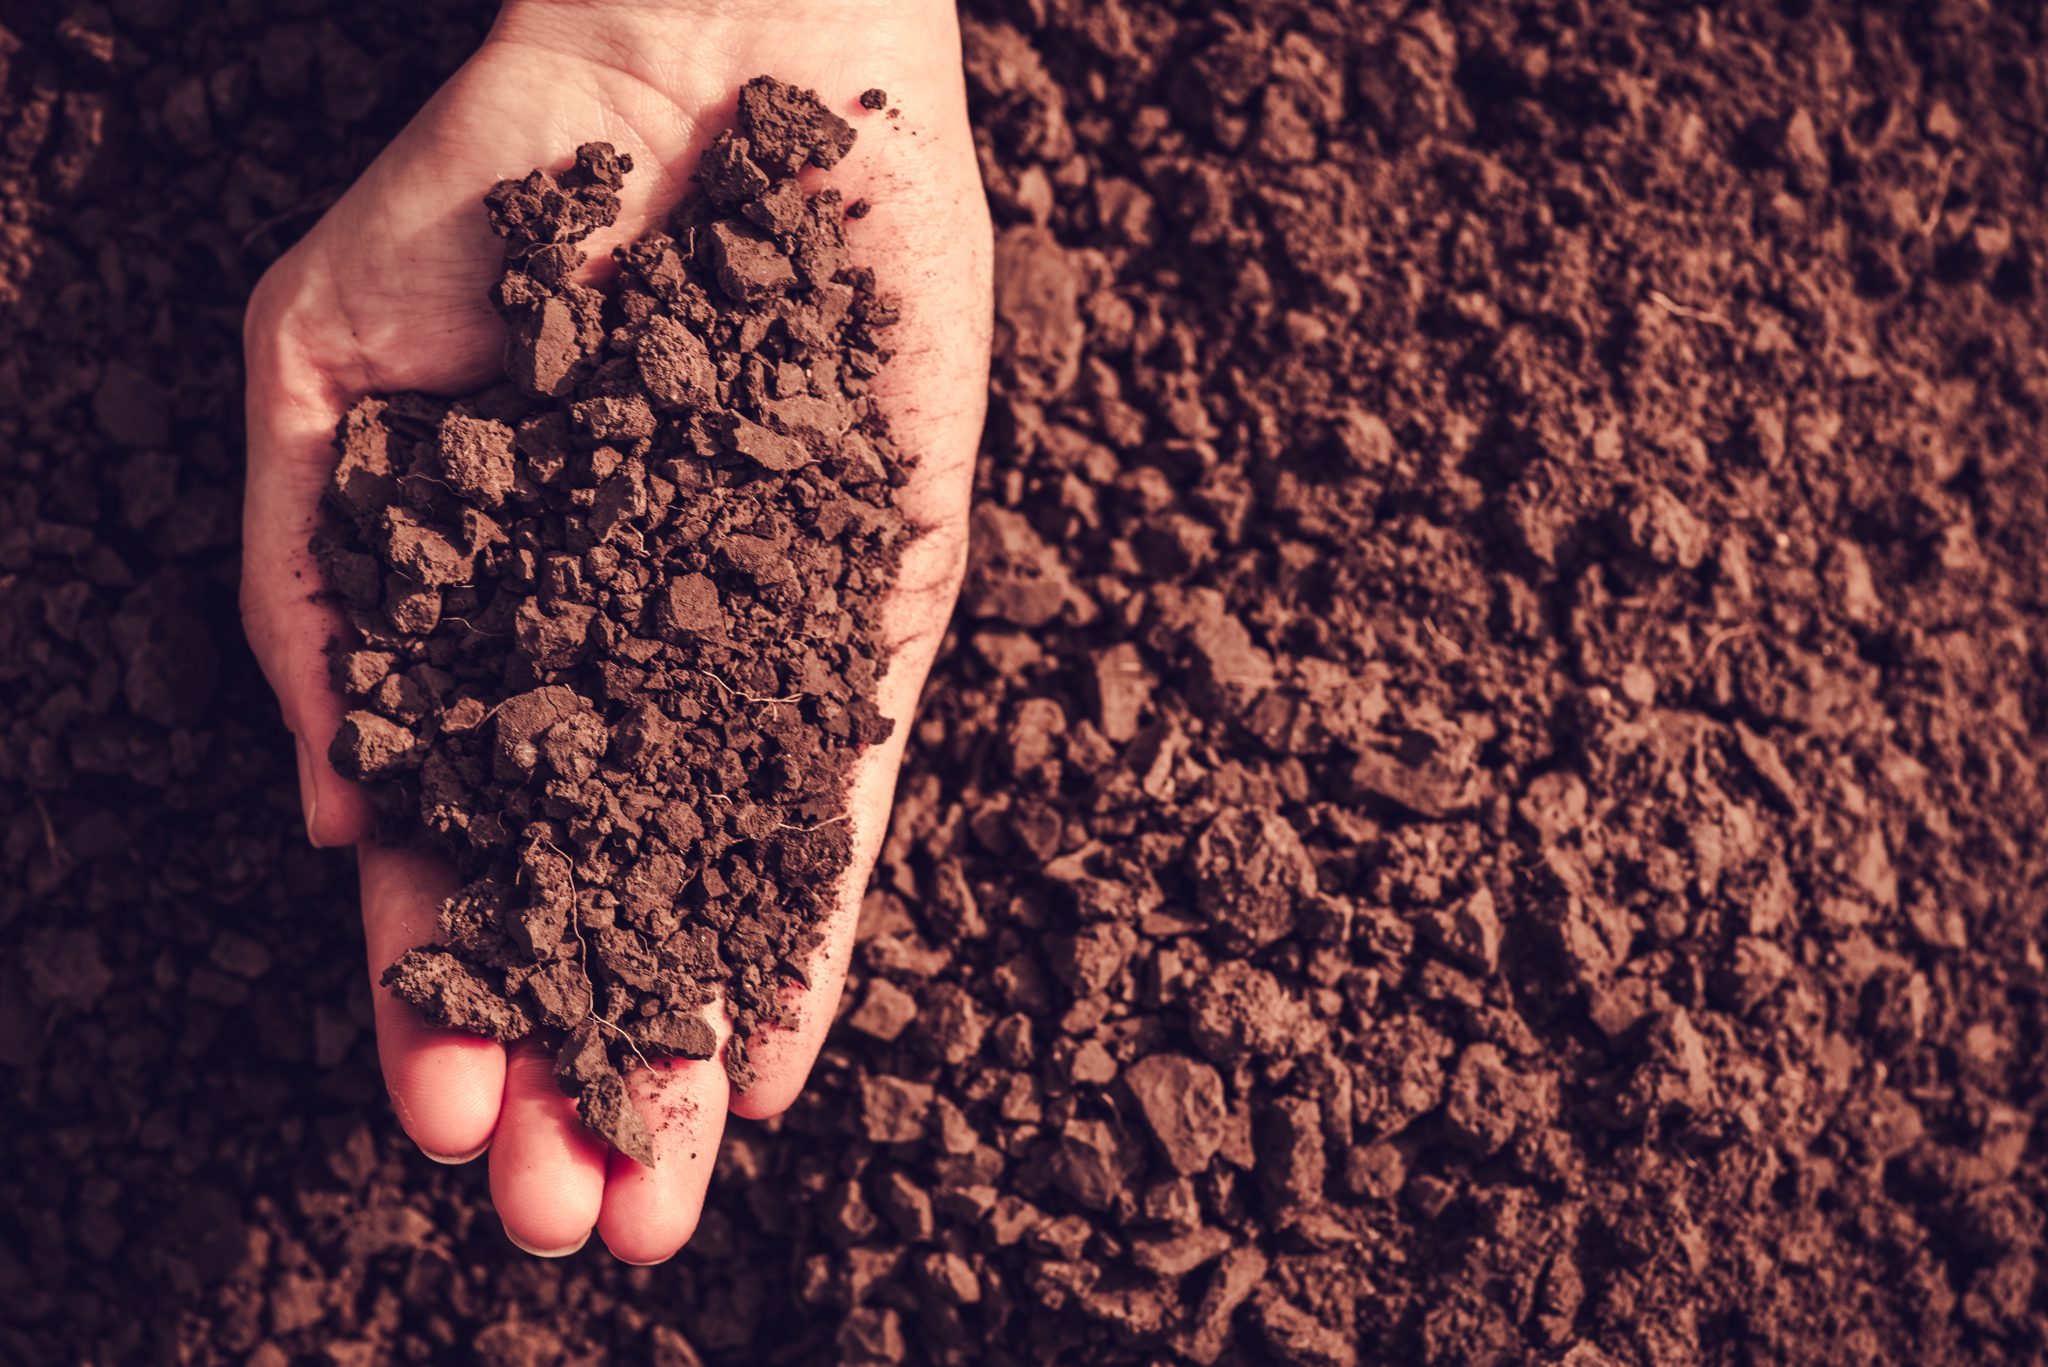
<point x="1484" y="803"/>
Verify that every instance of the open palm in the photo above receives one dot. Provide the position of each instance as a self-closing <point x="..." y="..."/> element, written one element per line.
<point x="389" y="292"/>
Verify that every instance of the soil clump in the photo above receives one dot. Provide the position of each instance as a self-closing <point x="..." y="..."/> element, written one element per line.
<point x="615" y="631"/>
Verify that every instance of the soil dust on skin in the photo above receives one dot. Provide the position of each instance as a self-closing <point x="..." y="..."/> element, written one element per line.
<point x="1483" y="803"/>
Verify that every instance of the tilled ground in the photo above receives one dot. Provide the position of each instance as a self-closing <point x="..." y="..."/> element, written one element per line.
<point x="1484" y="802"/>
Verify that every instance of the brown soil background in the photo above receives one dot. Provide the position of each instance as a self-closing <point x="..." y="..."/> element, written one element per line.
<point x="1484" y="803"/>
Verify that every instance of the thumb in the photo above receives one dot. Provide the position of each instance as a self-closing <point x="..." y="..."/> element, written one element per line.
<point x="291" y="420"/>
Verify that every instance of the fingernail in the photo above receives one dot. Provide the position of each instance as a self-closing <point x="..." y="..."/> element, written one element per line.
<point x="309" y="791"/>
<point x="546" y="1252"/>
<point x="459" y="1159"/>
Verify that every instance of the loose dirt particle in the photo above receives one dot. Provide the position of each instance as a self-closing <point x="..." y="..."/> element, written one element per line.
<point x="1181" y="1100"/>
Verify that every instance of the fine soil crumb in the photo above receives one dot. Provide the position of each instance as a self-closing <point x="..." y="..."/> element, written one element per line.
<point x="614" y="643"/>
<point x="873" y="98"/>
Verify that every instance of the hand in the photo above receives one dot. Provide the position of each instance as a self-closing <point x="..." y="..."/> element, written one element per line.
<point x="388" y="293"/>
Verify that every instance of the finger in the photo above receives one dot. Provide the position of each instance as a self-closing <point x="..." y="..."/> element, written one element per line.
<point x="445" y="1085"/>
<point x="781" y="1055"/>
<point x="649" y="1213"/>
<point x="547" y="1167"/>
<point x="927" y="238"/>
<point x="291" y="422"/>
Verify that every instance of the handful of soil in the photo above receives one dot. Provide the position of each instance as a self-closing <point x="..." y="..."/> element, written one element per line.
<point x="614" y="619"/>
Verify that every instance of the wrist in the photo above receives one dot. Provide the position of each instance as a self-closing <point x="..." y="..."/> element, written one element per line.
<point x="772" y="13"/>
<point x="636" y="34"/>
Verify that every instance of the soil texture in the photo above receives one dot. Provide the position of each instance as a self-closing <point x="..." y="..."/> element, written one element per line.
<point x="1483" y="804"/>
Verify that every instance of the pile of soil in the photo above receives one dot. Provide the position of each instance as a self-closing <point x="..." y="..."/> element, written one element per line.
<point x="1484" y="802"/>
<point x="615" y="620"/>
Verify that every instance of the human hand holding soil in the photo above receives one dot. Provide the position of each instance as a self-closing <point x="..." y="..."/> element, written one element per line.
<point x="390" y="293"/>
